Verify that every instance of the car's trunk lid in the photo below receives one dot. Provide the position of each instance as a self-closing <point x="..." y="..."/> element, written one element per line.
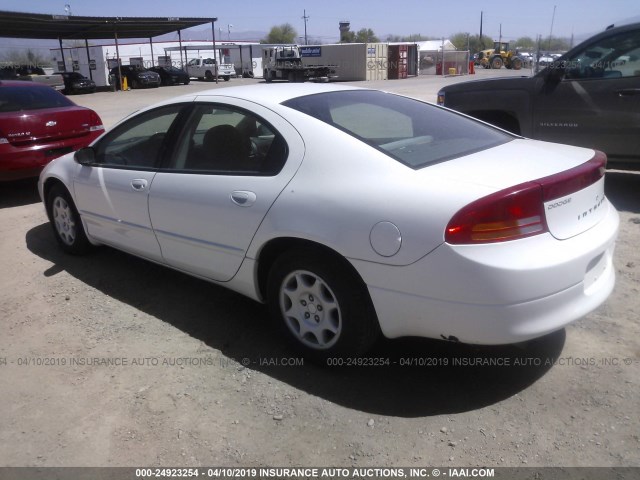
<point x="574" y="200"/>
<point x="571" y="179"/>
<point x="46" y="125"/>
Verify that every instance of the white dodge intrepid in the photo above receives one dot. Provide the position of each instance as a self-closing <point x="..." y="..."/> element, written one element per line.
<point x="350" y="212"/>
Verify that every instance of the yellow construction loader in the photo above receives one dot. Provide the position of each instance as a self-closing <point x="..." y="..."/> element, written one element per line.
<point x="500" y="55"/>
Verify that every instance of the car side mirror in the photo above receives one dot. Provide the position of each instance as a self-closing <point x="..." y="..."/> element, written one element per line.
<point x="85" y="156"/>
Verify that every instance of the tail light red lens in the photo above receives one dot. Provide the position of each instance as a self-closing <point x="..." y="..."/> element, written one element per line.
<point x="95" y="122"/>
<point x="505" y="215"/>
<point x="518" y="212"/>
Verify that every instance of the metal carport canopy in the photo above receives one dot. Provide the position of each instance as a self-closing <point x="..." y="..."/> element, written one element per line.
<point x="70" y="27"/>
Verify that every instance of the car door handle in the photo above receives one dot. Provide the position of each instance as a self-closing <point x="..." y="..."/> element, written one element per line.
<point x="139" y="184"/>
<point x="243" y="198"/>
<point x="627" y="92"/>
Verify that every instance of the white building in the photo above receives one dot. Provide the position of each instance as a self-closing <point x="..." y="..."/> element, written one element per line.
<point x="95" y="61"/>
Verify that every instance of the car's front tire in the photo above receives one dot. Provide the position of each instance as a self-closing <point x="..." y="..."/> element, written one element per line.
<point x="65" y="221"/>
<point x="321" y="306"/>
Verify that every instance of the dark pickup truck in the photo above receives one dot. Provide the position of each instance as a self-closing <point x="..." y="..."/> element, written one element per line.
<point x="589" y="97"/>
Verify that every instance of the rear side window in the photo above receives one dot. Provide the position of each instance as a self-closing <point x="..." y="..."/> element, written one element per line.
<point x="15" y="99"/>
<point x="414" y="133"/>
<point x="225" y="140"/>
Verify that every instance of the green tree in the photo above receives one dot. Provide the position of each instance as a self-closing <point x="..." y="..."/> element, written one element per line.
<point x="416" y="37"/>
<point x="555" y="44"/>
<point x="524" y="43"/>
<point x="347" y="37"/>
<point x="464" y="40"/>
<point x="284" y="33"/>
<point x="366" y="35"/>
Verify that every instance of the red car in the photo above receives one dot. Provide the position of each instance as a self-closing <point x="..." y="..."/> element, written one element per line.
<point x="38" y="124"/>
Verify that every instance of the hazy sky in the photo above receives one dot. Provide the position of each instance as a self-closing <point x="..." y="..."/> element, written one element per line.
<point x="433" y="18"/>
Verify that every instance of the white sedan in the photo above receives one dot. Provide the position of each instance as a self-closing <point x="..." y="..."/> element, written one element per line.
<point x="350" y="212"/>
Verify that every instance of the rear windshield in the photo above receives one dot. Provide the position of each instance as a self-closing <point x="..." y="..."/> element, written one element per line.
<point x="413" y="132"/>
<point x="15" y="99"/>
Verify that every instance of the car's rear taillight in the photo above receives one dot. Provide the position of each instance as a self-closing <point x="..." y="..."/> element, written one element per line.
<point x="509" y="214"/>
<point x="95" y="123"/>
<point x="518" y="212"/>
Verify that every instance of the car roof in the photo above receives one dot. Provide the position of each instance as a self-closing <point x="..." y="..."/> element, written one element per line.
<point x="276" y="93"/>
<point x="22" y="83"/>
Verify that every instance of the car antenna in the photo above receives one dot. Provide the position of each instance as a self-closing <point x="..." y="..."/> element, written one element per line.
<point x="610" y="27"/>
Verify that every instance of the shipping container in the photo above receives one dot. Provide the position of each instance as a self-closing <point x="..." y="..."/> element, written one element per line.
<point x="398" y="61"/>
<point x="412" y="53"/>
<point x="377" y="60"/>
<point x="351" y="61"/>
<point x="348" y="60"/>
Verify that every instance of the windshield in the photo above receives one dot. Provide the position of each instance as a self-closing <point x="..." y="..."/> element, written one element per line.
<point x="415" y="133"/>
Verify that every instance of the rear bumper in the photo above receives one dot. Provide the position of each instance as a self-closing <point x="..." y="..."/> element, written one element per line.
<point x="26" y="162"/>
<point x="11" y="175"/>
<point x="498" y="293"/>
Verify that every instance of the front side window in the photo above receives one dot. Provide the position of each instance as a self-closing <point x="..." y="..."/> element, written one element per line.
<point x="617" y="56"/>
<point x="415" y="133"/>
<point x="137" y="142"/>
<point x="229" y="141"/>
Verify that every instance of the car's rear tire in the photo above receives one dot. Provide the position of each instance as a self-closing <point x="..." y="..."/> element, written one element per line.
<point x="65" y="221"/>
<point x="321" y="306"/>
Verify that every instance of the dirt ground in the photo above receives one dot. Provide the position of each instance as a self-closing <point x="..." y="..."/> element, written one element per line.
<point x="107" y="360"/>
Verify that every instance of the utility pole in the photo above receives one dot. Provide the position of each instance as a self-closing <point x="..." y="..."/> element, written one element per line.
<point x="305" y="18"/>
<point x="481" y="42"/>
<point x="553" y="17"/>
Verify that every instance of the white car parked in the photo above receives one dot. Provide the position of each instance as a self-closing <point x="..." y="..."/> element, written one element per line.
<point x="350" y="212"/>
